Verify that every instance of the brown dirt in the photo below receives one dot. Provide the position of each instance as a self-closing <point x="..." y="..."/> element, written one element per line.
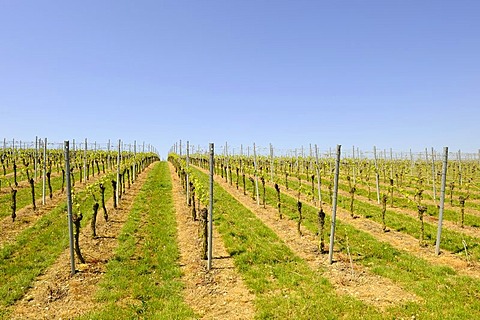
<point x="57" y="295"/>
<point x="23" y="184"/>
<point x="403" y="241"/>
<point x="216" y="294"/>
<point x="467" y="230"/>
<point x="27" y="217"/>
<point x="349" y="279"/>
<point x="455" y="226"/>
<point x="429" y="193"/>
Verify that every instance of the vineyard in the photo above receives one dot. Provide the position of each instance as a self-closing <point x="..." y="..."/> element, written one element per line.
<point x="218" y="235"/>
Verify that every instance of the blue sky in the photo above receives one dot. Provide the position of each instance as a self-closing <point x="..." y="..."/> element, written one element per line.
<point x="395" y="74"/>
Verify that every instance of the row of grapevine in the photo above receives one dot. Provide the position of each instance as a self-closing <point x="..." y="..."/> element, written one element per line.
<point x="400" y="184"/>
<point x="20" y="166"/>
<point x="34" y="242"/>
<point x="195" y="189"/>
<point x="392" y="235"/>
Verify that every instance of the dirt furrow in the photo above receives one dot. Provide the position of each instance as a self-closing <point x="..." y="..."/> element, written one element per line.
<point x="467" y="230"/>
<point x="347" y="278"/>
<point x="404" y="242"/>
<point x="216" y="294"/>
<point x="429" y="201"/>
<point x="24" y="184"/>
<point x="447" y="205"/>
<point x="57" y="295"/>
<point x="26" y="217"/>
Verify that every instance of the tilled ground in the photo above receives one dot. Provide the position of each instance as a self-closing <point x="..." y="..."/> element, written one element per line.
<point x="216" y="294"/>
<point x="27" y="217"/>
<point x="347" y="278"/>
<point x="57" y="295"/>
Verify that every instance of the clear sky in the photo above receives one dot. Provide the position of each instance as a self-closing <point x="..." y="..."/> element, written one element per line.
<point x="395" y="74"/>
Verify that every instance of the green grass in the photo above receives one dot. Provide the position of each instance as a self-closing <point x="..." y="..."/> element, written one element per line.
<point x="448" y="214"/>
<point x="35" y="249"/>
<point x="447" y="295"/>
<point x="401" y="201"/>
<point x="143" y="279"/>
<point x="24" y="196"/>
<point x="284" y="285"/>
<point x="451" y="240"/>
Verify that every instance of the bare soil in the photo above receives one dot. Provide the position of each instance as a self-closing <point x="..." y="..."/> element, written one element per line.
<point x="216" y="294"/>
<point x="453" y="225"/>
<point x="467" y="230"/>
<point x="23" y="184"/>
<point x="27" y="217"/>
<point x="57" y="295"/>
<point x="403" y="241"/>
<point x="347" y="278"/>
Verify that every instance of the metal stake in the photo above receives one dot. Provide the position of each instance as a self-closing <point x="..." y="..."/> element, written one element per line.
<point x="69" y="206"/>
<point x="442" y="200"/>
<point x="334" y="205"/>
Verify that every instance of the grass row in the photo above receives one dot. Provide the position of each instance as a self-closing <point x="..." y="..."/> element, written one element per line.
<point x="143" y="279"/>
<point x="446" y="294"/>
<point x="406" y="186"/>
<point x="24" y="195"/>
<point x="451" y="240"/>
<point x="432" y="210"/>
<point x="284" y="285"/>
<point x="36" y="248"/>
<point x="448" y="214"/>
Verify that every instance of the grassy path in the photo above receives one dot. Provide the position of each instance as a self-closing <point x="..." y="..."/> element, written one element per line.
<point x="216" y="294"/>
<point x="55" y="294"/>
<point x="347" y="278"/>
<point x="35" y="249"/>
<point x="407" y="222"/>
<point x="284" y="284"/>
<point x="143" y="280"/>
<point x="446" y="293"/>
